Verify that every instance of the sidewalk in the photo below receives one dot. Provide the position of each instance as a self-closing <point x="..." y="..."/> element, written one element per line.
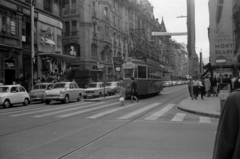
<point x="209" y="106"/>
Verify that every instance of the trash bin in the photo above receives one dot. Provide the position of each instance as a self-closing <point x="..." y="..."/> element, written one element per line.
<point x="224" y="93"/>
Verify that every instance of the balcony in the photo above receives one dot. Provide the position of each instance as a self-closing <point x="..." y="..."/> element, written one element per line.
<point x="94" y="14"/>
<point x="107" y="39"/>
<point x="66" y="12"/>
<point x="74" y="33"/>
<point x="74" y="11"/>
<point x="65" y="34"/>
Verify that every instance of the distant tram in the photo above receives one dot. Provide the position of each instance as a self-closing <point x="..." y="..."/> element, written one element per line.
<point x="148" y="76"/>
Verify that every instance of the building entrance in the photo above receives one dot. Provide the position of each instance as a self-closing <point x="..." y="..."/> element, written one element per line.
<point x="9" y="71"/>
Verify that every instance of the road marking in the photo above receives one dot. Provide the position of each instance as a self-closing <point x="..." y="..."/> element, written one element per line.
<point x="204" y="119"/>
<point x="87" y="110"/>
<point x="139" y="111"/>
<point x="66" y="110"/>
<point x="160" y="113"/>
<point x="110" y="111"/>
<point x="178" y="117"/>
<point x="62" y="107"/>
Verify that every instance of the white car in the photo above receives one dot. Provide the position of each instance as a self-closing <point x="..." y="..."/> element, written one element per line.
<point x="63" y="91"/>
<point x="13" y="94"/>
<point x="36" y="93"/>
<point x="96" y="89"/>
<point x="114" y="87"/>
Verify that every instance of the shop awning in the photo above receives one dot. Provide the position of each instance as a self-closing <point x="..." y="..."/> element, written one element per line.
<point x="61" y="56"/>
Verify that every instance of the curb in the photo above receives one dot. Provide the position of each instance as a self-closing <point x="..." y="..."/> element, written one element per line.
<point x="102" y="99"/>
<point x="197" y="112"/>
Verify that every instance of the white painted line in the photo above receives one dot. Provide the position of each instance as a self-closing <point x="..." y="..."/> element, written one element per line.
<point x="204" y="120"/>
<point x="66" y="110"/>
<point x="139" y="111"/>
<point x="110" y="111"/>
<point x="45" y="110"/>
<point x="87" y="110"/>
<point x="160" y="113"/>
<point x="178" y="117"/>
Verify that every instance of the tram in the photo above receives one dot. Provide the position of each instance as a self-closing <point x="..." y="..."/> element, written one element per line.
<point x="147" y="74"/>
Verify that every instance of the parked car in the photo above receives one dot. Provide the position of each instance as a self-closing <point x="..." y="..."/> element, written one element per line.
<point x="13" y="94"/>
<point x="166" y="84"/>
<point x="36" y="94"/>
<point x="63" y="91"/>
<point x="114" y="87"/>
<point x="96" y="89"/>
<point x="174" y="83"/>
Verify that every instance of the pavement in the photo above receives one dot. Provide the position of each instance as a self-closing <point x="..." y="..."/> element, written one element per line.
<point x="209" y="106"/>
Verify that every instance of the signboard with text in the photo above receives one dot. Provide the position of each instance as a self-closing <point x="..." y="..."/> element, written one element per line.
<point x="221" y="32"/>
<point x="117" y="63"/>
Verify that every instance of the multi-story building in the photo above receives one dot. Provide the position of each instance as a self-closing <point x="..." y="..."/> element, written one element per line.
<point x="100" y="30"/>
<point x="15" y="45"/>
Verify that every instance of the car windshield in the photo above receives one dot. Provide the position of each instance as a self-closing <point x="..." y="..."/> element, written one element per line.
<point x="40" y="86"/>
<point x="92" y="85"/>
<point x="59" y="85"/>
<point x="111" y="84"/>
<point x="4" y="89"/>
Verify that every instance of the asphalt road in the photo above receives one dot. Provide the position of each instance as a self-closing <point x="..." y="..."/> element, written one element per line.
<point x="151" y="129"/>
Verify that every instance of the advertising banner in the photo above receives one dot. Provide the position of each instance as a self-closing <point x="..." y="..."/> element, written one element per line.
<point x="221" y="32"/>
<point x="117" y="63"/>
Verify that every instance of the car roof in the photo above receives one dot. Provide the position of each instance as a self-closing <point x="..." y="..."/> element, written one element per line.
<point x="16" y="85"/>
<point x="43" y="83"/>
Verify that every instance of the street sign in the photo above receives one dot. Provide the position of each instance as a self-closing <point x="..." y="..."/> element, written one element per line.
<point x="221" y="60"/>
<point x="117" y="63"/>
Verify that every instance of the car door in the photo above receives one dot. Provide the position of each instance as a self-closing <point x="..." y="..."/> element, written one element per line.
<point x="71" y="91"/>
<point x="14" y="95"/>
<point x="22" y="93"/>
<point x="76" y="90"/>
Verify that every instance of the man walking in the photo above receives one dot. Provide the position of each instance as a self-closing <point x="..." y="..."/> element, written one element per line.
<point x="207" y="86"/>
<point x="133" y="90"/>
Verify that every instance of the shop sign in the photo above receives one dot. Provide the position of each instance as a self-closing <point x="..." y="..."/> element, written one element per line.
<point x="10" y="65"/>
<point x="75" y="67"/>
<point x="46" y="37"/>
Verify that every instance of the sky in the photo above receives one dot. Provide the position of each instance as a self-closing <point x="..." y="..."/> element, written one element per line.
<point x="169" y="10"/>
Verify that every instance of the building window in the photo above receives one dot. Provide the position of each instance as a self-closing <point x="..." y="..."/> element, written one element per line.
<point x="47" y="5"/>
<point x="9" y="22"/>
<point x="74" y="28"/>
<point x="66" y="7"/>
<point x="94" y="52"/>
<point x="72" y="49"/>
<point x="67" y="29"/>
<point x="74" y="7"/>
<point x="105" y="11"/>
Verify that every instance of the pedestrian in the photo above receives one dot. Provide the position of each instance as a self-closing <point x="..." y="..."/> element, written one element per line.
<point x="227" y="80"/>
<point x="227" y="142"/>
<point x="122" y="94"/>
<point x="190" y="85"/>
<point x="207" y="86"/>
<point x="214" y="86"/>
<point x="237" y="83"/>
<point x="195" y="88"/>
<point x="133" y="90"/>
<point x="201" y="88"/>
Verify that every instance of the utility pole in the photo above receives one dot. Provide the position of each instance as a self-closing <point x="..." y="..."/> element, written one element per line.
<point x="32" y="39"/>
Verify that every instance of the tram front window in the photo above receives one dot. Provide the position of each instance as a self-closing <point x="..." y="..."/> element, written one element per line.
<point x="128" y="73"/>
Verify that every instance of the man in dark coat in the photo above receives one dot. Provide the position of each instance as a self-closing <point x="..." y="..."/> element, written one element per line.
<point x="227" y="144"/>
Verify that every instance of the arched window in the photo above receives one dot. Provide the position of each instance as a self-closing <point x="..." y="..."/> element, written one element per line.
<point x="105" y="12"/>
<point x="94" y="51"/>
<point x="72" y="49"/>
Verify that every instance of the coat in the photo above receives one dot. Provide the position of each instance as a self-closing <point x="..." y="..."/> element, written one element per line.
<point x="227" y="143"/>
<point x="207" y="84"/>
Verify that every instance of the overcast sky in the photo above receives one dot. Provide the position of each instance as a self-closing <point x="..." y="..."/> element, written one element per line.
<point x="170" y="9"/>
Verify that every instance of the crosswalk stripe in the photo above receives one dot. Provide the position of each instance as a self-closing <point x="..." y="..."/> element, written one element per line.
<point x="178" y="117"/>
<point x="139" y="111"/>
<point x="56" y="108"/>
<point x="204" y="119"/>
<point x="65" y="110"/>
<point x="160" y="113"/>
<point x="110" y="111"/>
<point x="87" y="110"/>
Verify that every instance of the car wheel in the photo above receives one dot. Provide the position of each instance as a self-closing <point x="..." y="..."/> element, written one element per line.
<point x="47" y="102"/>
<point x="79" y="97"/>
<point x="66" y="99"/>
<point x="26" y="102"/>
<point x="6" y="103"/>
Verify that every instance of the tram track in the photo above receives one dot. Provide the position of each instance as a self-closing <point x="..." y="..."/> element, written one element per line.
<point x="175" y="97"/>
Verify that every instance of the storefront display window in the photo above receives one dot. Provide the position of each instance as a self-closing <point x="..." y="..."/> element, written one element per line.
<point x="8" y="23"/>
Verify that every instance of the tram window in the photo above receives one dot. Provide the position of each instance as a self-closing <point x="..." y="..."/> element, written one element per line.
<point x="149" y="73"/>
<point x="135" y="73"/>
<point x="128" y="73"/>
<point x="142" y="72"/>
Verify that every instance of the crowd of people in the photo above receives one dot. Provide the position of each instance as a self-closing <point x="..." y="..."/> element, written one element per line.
<point x="207" y="85"/>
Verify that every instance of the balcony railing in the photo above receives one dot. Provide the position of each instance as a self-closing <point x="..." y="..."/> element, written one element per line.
<point x="74" y="11"/>
<point x="65" y="34"/>
<point x="65" y="12"/>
